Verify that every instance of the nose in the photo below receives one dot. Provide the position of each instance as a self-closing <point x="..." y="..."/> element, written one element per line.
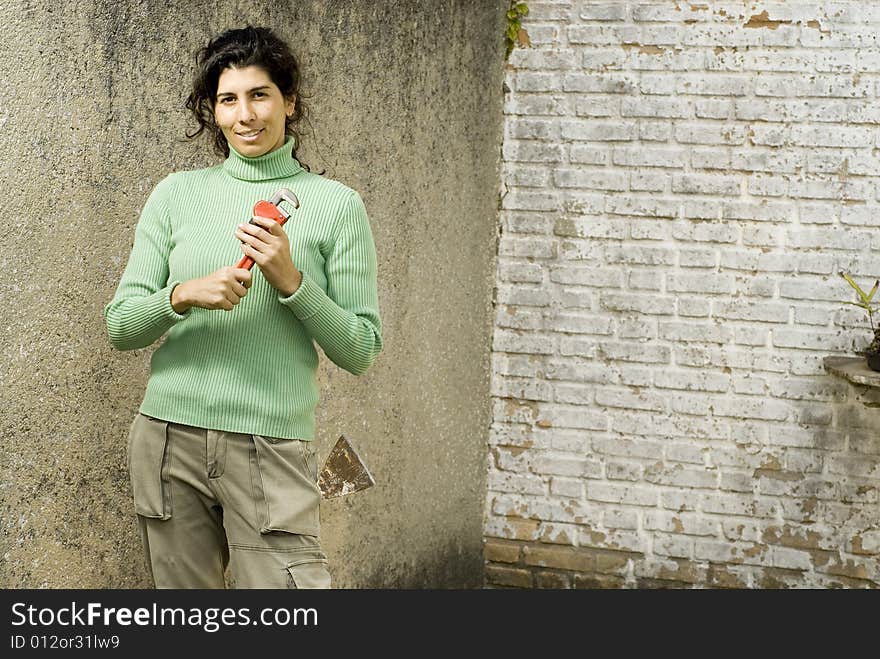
<point x="245" y="111"/>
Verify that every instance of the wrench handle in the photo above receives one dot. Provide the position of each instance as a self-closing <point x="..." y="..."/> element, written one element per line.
<point x="262" y="209"/>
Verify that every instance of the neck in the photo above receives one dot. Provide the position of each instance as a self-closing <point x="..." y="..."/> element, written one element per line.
<point x="279" y="163"/>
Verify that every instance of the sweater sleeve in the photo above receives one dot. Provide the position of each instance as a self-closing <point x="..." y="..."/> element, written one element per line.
<point x="344" y="320"/>
<point x="141" y="312"/>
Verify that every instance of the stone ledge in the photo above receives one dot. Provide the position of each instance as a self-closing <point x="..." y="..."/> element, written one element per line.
<point x="854" y="369"/>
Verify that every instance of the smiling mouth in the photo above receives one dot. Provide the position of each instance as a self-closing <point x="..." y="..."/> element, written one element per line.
<point x="252" y="133"/>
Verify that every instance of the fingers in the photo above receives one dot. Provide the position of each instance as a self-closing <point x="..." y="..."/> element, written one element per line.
<point x="243" y="276"/>
<point x="234" y="284"/>
<point x="239" y="289"/>
<point x="270" y="225"/>
<point x="262" y="233"/>
<point x="255" y="254"/>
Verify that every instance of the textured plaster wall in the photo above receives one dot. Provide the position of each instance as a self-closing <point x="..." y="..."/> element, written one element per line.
<point x="406" y="108"/>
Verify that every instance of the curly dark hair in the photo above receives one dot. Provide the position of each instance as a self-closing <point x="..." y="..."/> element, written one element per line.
<point x="248" y="46"/>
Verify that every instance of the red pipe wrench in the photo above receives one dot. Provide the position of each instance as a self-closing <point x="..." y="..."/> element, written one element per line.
<point x="271" y="210"/>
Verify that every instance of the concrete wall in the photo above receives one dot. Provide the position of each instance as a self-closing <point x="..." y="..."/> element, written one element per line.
<point x="406" y="102"/>
<point x="683" y="182"/>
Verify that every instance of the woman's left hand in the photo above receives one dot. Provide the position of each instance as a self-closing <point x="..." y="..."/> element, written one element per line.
<point x="266" y="243"/>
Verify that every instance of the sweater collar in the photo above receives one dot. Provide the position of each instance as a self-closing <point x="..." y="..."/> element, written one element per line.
<point x="275" y="164"/>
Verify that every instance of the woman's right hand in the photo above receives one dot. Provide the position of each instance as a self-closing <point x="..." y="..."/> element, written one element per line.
<point x="222" y="289"/>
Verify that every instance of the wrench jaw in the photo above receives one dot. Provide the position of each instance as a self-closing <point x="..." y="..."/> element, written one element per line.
<point x="287" y="195"/>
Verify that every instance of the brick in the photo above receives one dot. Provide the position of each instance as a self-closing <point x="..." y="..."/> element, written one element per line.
<point x="641" y="206"/>
<point x="588" y="154"/>
<point x="628" y="471"/>
<point x="527" y="176"/>
<point x="694" y="307"/>
<point x="654" y="131"/>
<point x="712" y="283"/>
<point x="543" y="34"/>
<point x="603" y="83"/>
<point x="649" y="157"/>
<point x="533" y="129"/>
<point x="681" y="476"/>
<point x="565" y="558"/>
<point x="645" y="353"/>
<point x="595" y="105"/>
<point x="598" y="581"/>
<point x="521" y="272"/>
<point x="603" y="12"/>
<point x="727" y="134"/>
<point x="531" y="151"/>
<point x="498" y="551"/>
<point x="536" y="82"/>
<point x="590" y="179"/>
<point x="568" y="487"/>
<point x="573" y="416"/>
<point x="752" y="310"/>
<point x="525" y="295"/>
<point x="715" y="85"/>
<point x="602" y="35"/>
<point x="674" y="546"/>
<point x="655" y="107"/>
<point x="629" y="494"/>
<point x="629" y="541"/>
<point x="552" y="580"/>
<point x="763" y="212"/>
<point x="526" y="223"/>
<point x="581" y="323"/>
<point x="537" y="104"/>
<point x="713" y="108"/>
<point x="710" y="159"/>
<point x="692" y="381"/>
<point x="621" y="518"/>
<point x="647" y="304"/>
<point x="684" y="453"/>
<point x="641" y="255"/>
<point x="627" y="447"/>
<point x="603" y="59"/>
<point x="646" y="280"/>
<point x="516" y="483"/>
<point x="505" y="576"/>
<point x="705" y="184"/>
<point x="716" y="232"/>
<point x="547" y="58"/>
<point x="599" y="131"/>
<point x="513" y="528"/>
<point x="559" y="465"/>
<point x="629" y="400"/>
<point x="522" y="388"/>
<point x="680" y="523"/>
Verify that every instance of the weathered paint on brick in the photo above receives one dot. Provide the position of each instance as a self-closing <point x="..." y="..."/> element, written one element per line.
<point x="683" y="182"/>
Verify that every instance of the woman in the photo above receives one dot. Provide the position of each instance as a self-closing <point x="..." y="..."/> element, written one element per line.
<point x="221" y="457"/>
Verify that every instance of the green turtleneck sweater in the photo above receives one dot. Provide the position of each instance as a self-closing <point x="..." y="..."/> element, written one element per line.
<point x="253" y="369"/>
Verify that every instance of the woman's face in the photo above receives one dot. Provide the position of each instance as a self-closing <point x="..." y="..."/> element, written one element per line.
<point x="251" y="111"/>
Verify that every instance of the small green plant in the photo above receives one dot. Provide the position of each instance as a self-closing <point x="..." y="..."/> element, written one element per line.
<point x="864" y="298"/>
<point x="865" y="302"/>
<point x="515" y="32"/>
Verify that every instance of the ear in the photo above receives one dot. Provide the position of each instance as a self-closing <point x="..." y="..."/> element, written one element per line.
<point x="290" y="106"/>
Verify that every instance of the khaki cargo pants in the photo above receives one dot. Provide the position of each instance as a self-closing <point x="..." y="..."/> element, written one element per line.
<point x="207" y="500"/>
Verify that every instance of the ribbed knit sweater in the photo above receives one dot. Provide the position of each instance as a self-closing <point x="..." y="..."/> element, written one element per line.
<point x="252" y="369"/>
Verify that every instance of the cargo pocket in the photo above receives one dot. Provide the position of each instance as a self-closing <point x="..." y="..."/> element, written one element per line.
<point x="309" y="572"/>
<point x="285" y="475"/>
<point x="149" y="462"/>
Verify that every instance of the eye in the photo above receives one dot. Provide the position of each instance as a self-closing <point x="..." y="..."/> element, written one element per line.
<point x="226" y="100"/>
<point x="259" y="94"/>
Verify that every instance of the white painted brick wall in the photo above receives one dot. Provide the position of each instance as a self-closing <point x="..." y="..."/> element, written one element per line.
<point x="682" y="182"/>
